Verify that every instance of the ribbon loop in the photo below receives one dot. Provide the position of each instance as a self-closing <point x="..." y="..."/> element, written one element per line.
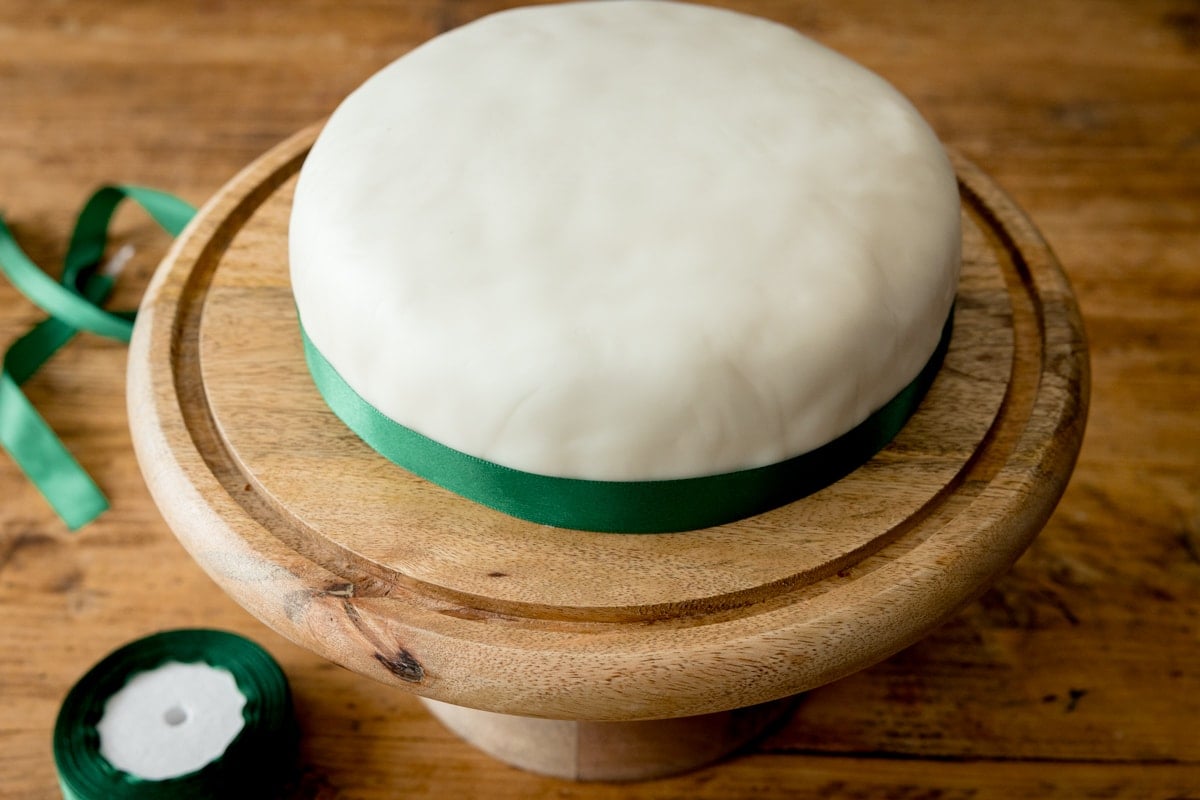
<point x="74" y="303"/>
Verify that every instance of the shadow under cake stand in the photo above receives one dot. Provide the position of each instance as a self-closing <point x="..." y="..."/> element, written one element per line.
<point x="590" y="656"/>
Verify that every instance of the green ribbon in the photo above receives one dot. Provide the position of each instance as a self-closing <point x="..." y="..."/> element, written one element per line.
<point x="659" y="506"/>
<point x="254" y="765"/>
<point x="74" y="303"/>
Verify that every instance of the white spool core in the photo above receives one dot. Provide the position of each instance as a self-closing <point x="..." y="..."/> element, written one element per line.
<point x="171" y="720"/>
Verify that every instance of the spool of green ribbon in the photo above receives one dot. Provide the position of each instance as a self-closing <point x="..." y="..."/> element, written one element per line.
<point x="255" y="764"/>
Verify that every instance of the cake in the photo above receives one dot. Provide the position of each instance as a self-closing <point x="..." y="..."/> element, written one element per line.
<point x="595" y="263"/>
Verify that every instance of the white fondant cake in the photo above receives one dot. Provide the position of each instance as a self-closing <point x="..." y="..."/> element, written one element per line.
<point x="626" y="240"/>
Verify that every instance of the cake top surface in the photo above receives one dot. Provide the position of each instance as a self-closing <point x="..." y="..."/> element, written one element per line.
<point x="626" y="240"/>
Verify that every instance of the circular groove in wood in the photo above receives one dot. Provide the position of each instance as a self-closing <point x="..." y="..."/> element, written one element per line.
<point x="313" y="524"/>
<point x="1020" y="450"/>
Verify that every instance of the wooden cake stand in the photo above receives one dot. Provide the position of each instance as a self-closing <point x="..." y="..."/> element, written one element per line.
<point x="587" y="655"/>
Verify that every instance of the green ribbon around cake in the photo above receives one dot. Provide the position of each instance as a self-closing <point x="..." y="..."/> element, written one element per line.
<point x="655" y="506"/>
<point x="74" y="303"/>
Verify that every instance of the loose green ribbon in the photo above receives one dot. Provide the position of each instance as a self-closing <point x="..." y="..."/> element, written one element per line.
<point x="257" y="761"/>
<point x="659" y="506"/>
<point x="74" y="303"/>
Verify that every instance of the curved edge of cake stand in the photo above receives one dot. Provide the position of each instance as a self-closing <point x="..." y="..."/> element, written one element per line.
<point x="601" y="673"/>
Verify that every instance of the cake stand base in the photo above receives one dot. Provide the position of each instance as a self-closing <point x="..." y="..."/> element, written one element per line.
<point x="610" y="751"/>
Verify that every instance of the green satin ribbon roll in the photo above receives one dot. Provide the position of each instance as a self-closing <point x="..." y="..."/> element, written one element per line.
<point x="660" y="506"/>
<point x="255" y="764"/>
<point x="74" y="303"/>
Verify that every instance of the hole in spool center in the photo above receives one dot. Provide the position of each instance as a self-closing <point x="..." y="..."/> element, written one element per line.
<point x="175" y="715"/>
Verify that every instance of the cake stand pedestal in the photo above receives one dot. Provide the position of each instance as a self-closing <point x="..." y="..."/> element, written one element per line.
<point x="587" y="655"/>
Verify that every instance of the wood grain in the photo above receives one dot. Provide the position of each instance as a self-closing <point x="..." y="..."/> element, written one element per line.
<point x="1073" y="676"/>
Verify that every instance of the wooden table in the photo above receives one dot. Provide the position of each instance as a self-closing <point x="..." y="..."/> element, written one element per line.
<point x="1076" y="674"/>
